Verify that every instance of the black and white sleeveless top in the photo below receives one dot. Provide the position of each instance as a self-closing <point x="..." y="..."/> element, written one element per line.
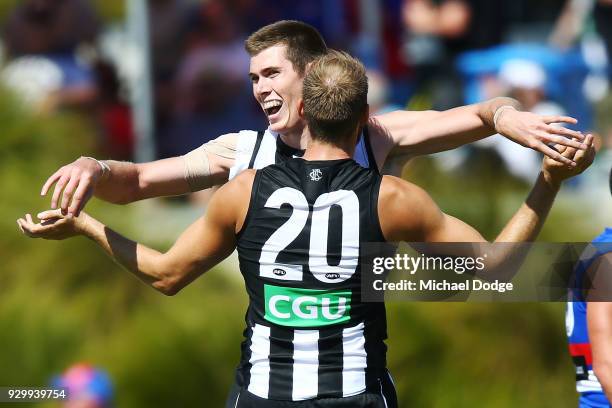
<point x="308" y="335"/>
<point x="256" y="150"/>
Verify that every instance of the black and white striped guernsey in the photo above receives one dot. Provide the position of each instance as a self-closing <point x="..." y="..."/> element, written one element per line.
<point x="308" y="334"/>
<point x="256" y="150"/>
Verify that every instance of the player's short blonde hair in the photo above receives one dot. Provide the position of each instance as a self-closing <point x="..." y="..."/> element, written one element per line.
<point x="335" y="95"/>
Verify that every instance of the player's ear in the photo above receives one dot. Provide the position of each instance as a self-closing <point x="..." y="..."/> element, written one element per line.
<point x="301" y="109"/>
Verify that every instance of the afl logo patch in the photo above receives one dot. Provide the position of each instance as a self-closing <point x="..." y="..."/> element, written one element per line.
<point x="332" y="275"/>
<point x="279" y="272"/>
<point x="316" y="175"/>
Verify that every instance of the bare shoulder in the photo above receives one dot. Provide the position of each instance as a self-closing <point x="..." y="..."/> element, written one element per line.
<point x="246" y="176"/>
<point x="402" y="209"/>
<point x="396" y="191"/>
<point x="397" y="129"/>
<point x="391" y="187"/>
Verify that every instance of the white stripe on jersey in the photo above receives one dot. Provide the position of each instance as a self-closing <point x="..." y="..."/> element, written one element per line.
<point x="244" y="149"/>
<point x="355" y="361"/>
<point x="382" y="394"/>
<point x="590" y="385"/>
<point x="267" y="150"/>
<point x="305" y="364"/>
<point x="305" y="370"/>
<point x="260" y="362"/>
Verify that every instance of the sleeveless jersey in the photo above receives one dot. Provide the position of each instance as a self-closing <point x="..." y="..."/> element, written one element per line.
<point x="256" y="150"/>
<point x="308" y="334"/>
<point x="577" y="329"/>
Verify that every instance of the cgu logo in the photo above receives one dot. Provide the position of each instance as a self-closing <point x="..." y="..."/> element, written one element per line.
<point x="297" y="307"/>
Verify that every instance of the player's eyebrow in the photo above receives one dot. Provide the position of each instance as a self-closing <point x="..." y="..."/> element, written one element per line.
<point x="272" y="68"/>
<point x="265" y="71"/>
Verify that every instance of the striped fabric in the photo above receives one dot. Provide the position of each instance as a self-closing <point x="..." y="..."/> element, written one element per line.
<point x="302" y="374"/>
<point x="256" y="155"/>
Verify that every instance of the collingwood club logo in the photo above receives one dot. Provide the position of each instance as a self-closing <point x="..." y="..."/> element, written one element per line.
<point x="316" y="175"/>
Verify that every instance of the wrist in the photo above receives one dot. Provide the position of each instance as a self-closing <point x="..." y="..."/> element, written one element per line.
<point x="499" y="113"/>
<point x="83" y="224"/>
<point x="550" y="181"/>
<point x="104" y="168"/>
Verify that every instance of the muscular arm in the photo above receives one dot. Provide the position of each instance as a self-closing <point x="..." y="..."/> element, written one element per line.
<point x="599" y="320"/>
<point x="204" y="244"/>
<point x="407" y="213"/>
<point x="422" y="132"/>
<point x="127" y="182"/>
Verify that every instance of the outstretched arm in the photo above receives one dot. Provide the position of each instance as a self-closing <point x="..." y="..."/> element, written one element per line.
<point x="124" y="182"/>
<point x="414" y="133"/>
<point x="407" y="213"/>
<point x="204" y="244"/>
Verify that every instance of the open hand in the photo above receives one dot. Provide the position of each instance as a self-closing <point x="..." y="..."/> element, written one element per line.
<point x="537" y="132"/>
<point x="53" y="225"/>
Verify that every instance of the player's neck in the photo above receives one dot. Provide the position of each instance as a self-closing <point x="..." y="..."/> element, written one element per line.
<point x="318" y="150"/>
<point x="298" y="138"/>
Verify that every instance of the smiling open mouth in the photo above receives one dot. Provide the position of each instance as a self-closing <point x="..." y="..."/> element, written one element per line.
<point x="272" y="107"/>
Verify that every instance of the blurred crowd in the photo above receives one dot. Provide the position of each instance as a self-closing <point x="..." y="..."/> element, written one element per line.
<point x="551" y="55"/>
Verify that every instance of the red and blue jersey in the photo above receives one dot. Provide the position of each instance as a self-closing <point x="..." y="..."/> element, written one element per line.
<point x="587" y="384"/>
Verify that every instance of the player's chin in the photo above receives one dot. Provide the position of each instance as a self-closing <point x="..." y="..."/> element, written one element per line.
<point x="277" y="127"/>
<point x="285" y="124"/>
<point x="279" y="124"/>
